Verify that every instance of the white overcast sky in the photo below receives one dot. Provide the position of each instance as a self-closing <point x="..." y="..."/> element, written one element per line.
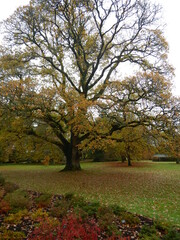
<point x="171" y="16"/>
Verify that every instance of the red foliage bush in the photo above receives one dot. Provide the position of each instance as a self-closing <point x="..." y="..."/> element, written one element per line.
<point x="72" y="227"/>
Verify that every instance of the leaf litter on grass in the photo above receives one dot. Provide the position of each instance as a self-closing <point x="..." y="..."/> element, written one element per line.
<point x="147" y="188"/>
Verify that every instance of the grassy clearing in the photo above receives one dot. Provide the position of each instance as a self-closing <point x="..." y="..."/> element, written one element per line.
<point x="151" y="189"/>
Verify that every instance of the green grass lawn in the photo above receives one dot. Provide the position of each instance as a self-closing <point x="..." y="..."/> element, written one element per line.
<point x="150" y="189"/>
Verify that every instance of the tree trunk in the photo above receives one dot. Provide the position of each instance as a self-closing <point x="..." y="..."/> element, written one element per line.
<point x="128" y="156"/>
<point x="123" y="158"/>
<point x="72" y="155"/>
<point x="129" y="161"/>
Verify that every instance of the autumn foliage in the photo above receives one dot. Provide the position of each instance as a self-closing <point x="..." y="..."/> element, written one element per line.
<point x="71" y="227"/>
<point x="61" y="73"/>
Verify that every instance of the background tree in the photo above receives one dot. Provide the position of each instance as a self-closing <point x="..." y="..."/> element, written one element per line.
<point x="16" y="146"/>
<point x="62" y="64"/>
<point x="134" y="143"/>
<point x="168" y="144"/>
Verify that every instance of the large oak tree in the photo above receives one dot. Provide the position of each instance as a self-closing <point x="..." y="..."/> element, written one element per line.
<point x="61" y="67"/>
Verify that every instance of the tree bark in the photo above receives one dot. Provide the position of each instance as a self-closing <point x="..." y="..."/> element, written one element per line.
<point x="72" y="155"/>
<point x="128" y="156"/>
<point x="129" y="161"/>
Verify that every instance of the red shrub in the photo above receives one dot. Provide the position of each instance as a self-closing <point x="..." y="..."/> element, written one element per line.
<point x="70" y="228"/>
<point x="73" y="227"/>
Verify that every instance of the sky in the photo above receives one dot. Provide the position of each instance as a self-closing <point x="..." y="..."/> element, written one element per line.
<point x="171" y="17"/>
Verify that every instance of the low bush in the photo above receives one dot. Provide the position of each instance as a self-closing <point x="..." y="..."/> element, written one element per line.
<point x="117" y="210"/>
<point x="69" y="196"/>
<point x="16" y="218"/>
<point x="91" y="208"/>
<point x="129" y="218"/>
<point x="43" y="200"/>
<point x="107" y="223"/>
<point x="172" y="234"/>
<point x="61" y="208"/>
<point x="11" y="235"/>
<point x="162" y="227"/>
<point x="80" y="212"/>
<point x="107" y="220"/>
<point x="78" y="201"/>
<point x="38" y="215"/>
<point x="4" y="207"/>
<point x="71" y="228"/>
<point x="74" y="228"/>
<point x="148" y="233"/>
<point x="104" y="210"/>
<point x="75" y="201"/>
<point x="18" y="199"/>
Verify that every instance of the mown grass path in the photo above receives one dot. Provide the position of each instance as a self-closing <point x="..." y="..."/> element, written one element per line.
<point x="150" y="189"/>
